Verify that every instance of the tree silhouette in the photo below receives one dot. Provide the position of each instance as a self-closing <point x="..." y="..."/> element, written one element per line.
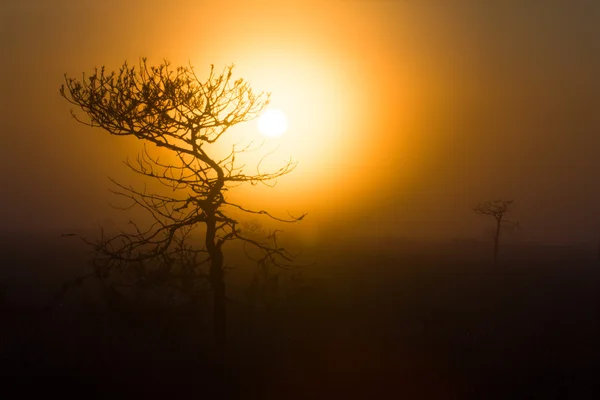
<point x="174" y="110"/>
<point x="498" y="210"/>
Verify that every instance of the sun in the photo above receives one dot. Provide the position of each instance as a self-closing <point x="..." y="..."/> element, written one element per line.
<point x="273" y="123"/>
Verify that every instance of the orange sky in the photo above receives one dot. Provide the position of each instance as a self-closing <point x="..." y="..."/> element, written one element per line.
<point x="402" y="114"/>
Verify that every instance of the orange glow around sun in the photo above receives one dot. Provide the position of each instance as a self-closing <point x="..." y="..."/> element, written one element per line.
<point x="327" y="82"/>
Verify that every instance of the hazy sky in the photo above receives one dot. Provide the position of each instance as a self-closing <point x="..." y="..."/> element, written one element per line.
<point x="403" y="114"/>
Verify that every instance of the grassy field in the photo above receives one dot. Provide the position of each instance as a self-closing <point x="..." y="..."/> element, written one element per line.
<point x="394" y="319"/>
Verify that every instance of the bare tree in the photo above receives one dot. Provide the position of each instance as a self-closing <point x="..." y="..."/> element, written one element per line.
<point x="498" y="210"/>
<point x="172" y="109"/>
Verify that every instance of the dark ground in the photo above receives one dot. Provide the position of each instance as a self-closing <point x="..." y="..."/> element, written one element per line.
<point x="370" y="320"/>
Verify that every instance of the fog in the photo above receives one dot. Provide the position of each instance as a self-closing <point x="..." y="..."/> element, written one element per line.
<point x="403" y="117"/>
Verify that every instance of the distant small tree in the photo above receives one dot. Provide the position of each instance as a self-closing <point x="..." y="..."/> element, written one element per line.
<point x="172" y="109"/>
<point x="497" y="209"/>
<point x="598" y="250"/>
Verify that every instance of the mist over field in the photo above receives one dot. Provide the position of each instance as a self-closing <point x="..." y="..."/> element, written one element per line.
<point x="411" y="318"/>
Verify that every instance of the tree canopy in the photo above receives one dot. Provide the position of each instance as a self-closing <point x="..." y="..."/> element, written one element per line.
<point x="172" y="109"/>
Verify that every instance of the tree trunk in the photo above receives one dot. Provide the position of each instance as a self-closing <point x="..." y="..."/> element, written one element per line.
<point x="219" y="303"/>
<point x="217" y="281"/>
<point x="496" y="240"/>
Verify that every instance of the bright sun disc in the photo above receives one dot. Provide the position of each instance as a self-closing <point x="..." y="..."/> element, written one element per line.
<point x="273" y="123"/>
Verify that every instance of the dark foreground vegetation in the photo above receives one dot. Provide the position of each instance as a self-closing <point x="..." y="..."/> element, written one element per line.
<point x="375" y="320"/>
